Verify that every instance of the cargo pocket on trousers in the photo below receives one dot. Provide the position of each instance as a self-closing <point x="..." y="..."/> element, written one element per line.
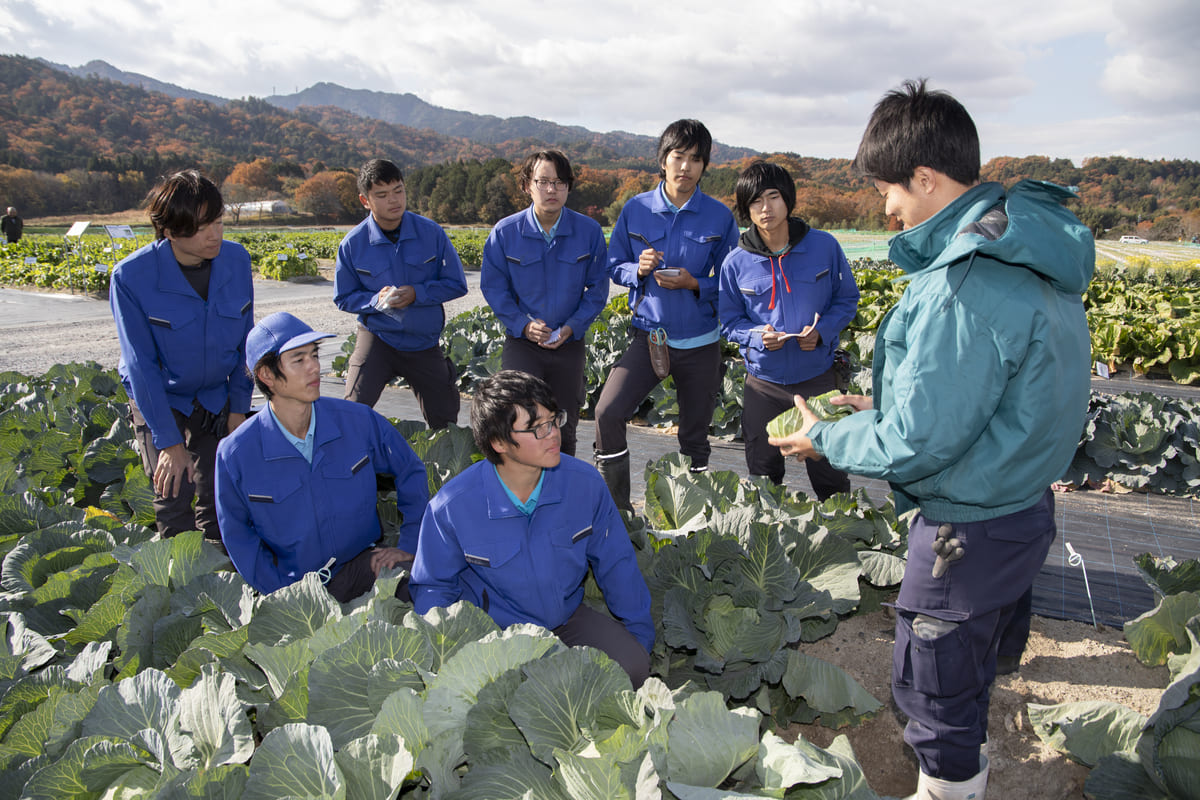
<point x="940" y="667"/>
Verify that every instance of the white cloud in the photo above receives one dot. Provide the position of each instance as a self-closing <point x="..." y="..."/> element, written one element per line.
<point x="777" y="74"/>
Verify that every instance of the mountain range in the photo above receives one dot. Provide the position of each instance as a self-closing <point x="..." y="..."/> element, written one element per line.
<point x="406" y="109"/>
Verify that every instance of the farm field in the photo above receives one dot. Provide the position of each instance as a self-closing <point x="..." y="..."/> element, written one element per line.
<point x="1065" y="661"/>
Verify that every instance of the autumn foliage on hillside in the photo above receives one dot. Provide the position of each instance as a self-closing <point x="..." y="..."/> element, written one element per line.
<point x="89" y="145"/>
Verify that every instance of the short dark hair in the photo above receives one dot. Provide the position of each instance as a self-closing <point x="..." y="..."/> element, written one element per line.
<point x="914" y="126"/>
<point x="271" y="362"/>
<point x="684" y="134"/>
<point x="562" y="167"/>
<point x="182" y="203"/>
<point x="494" y="407"/>
<point x="758" y="178"/>
<point x="377" y="171"/>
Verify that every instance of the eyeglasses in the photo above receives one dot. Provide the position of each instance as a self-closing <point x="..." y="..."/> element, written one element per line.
<point x="543" y="184"/>
<point x="544" y="429"/>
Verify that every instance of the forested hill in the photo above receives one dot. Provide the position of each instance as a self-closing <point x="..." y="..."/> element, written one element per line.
<point x="71" y="144"/>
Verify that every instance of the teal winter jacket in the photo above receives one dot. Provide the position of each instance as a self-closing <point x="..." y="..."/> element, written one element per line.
<point x="982" y="370"/>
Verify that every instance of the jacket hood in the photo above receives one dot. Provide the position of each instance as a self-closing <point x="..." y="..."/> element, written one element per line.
<point x="1027" y="226"/>
<point x="751" y="241"/>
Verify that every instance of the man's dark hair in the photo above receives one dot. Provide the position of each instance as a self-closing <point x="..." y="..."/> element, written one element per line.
<point x="271" y="362"/>
<point x="562" y="167"/>
<point x="377" y="171"/>
<point x="759" y="177"/>
<point x="183" y="203"/>
<point x="916" y="127"/>
<point x="494" y="407"/>
<point x="684" y="134"/>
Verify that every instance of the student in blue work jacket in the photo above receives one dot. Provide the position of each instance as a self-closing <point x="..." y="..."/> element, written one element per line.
<point x="544" y="275"/>
<point x="787" y="293"/>
<point x="183" y="306"/>
<point x="516" y="534"/>
<point x="667" y="248"/>
<point x="981" y="386"/>
<point x="394" y="271"/>
<point x="296" y="484"/>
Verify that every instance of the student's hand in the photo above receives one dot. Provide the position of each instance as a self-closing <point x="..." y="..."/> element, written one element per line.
<point x="402" y="296"/>
<point x="537" y="331"/>
<point x="798" y="444"/>
<point x="683" y="280"/>
<point x="564" y="336"/>
<point x="859" y="402"/>
<point x="809" y="338"/>
<point x="385" y="558"/>
<point x="772" y="339"/>
<point x="174" y="466"/>
<point x="648" y="261"/>
<point x="235" y="422"/>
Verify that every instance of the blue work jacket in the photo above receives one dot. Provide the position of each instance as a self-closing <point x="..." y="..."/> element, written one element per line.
<point x="422" y="257"/>
<point x="564" y="283"/>
<point x="177" y="347"/>
<point x="787" y="292"/>
<point x="696" y="238"/>
<point x="477" y="546"/>
<point x="282" y="517"/>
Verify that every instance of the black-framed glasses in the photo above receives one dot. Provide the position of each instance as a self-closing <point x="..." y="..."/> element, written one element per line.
<point x="543" y="184"/>
<point x="541" y="431"/>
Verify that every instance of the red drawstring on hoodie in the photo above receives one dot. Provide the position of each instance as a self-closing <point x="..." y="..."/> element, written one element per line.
<point x="786" y="285"/>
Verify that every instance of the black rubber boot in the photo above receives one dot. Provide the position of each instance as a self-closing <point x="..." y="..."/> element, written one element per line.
<point x="615" y="471"/>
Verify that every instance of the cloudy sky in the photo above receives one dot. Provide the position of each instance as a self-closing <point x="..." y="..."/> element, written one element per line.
<point x="1064" y="78"/>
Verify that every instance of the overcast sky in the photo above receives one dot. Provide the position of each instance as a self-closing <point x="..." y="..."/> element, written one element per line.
<point x="1063" y="78"/>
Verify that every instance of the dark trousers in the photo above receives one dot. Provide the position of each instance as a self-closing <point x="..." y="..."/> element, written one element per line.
<point x="589" y="628"/>
<point x="357" y="577"/>
<point x="174" y="515"/>
<point x="697" y="374"/>
<point x="561" y="368"/>
<point x="761" y="403"/>
<point x="948" y="631"/>
<point x="429" y="372"/>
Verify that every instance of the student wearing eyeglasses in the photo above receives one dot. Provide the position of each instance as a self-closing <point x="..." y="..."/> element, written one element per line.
<point x="545" y="276"/>
<point x="516" y="534"/>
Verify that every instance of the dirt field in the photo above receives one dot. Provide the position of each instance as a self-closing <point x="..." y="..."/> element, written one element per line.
<point x="1064" y="662"/>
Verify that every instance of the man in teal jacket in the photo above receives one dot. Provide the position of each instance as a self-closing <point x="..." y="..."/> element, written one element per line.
<point x="981" y="384"/>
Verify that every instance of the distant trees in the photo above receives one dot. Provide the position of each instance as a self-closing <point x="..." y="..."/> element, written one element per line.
<point x="330" y="196"/>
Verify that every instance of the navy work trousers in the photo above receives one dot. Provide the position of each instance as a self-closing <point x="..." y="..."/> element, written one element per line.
<point x="561" y="368"/>
<point x="948" y="630"/>
<point x="697" y="374"/>
<point x="430" y="374"/>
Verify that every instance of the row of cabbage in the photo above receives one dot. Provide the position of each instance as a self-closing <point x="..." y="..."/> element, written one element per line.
<point x="1132" y="755"/>
<point x="83" y="263"/>
<point x="1137" y="441"/>
<point x="137" y="667"/>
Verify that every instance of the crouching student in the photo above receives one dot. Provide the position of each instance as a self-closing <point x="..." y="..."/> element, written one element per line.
<point x="515" y="535"/>
<point x="296" y="483"/>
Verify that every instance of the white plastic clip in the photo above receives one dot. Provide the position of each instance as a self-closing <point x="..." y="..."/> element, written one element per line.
<point x="1076" y="560"/>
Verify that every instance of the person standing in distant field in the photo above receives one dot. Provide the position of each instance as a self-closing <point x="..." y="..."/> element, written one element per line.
<point x="12" y="226"/>
<point x="394" y="271"/>
<point x="784" y="281"/>
<point x="667" y="248"/>
<point x="544" y="275"/>
<point x="183" y="306"/>
<point x="982" y="378"/>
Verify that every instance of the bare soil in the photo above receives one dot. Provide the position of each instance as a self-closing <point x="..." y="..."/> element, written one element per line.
<point x="1063" y="662"/>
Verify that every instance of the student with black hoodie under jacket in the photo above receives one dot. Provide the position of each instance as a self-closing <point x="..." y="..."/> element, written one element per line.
<point x="786" y="295"/>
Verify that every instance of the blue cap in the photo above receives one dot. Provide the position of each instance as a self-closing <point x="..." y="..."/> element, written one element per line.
<point x="278" y="333"/>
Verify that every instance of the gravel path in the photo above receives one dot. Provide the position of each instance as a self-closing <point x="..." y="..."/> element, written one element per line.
<point x="39" y="330"/>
